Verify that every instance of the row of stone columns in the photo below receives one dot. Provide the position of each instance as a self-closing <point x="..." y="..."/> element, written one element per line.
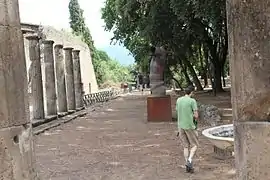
<point x="63" y="86"/>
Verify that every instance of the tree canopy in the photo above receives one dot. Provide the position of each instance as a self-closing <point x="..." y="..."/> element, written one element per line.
<point x="108" y="71"/>
<point x="193" y="31"/>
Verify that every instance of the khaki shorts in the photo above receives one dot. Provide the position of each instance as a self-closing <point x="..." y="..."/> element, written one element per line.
<point x="189" y="138"/>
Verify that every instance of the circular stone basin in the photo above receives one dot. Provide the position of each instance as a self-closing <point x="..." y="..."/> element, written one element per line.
<point x="220" y="136"/>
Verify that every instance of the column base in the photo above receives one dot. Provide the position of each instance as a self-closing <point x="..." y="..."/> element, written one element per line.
<point x="252" y="147"/>
<point x="37" y="122"/>
<point x="159" y="108"/>
<point x="80" y="108"/>
<point x="71" y="111"/>
<point x="47" y="119"/>
<point x="51" y="117"/>
<point x="62" y="114"/>
<point x="222" y="154"/>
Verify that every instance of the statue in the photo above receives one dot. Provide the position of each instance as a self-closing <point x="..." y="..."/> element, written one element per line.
<point x="157" y="66"/>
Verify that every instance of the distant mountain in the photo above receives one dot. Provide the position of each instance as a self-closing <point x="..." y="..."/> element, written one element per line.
<point x="119" y="53"/>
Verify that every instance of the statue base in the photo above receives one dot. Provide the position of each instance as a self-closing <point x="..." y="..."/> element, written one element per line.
<point x="159" y="108"/>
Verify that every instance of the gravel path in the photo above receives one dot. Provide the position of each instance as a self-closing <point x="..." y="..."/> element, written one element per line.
<point x="114" y="142"/>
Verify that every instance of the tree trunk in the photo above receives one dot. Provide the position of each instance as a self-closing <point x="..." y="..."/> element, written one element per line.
<point x="249" y="38"/>
<point x="217" y="78"/>
<point x="216" y="61"/>
<point x="205" y="79"/>
<point x="204" y="67"/>
<point x="184" y="70"/>
<point x="223" y="77"/>
<point x="178" y="83"/>
<point x="194" y="76"/>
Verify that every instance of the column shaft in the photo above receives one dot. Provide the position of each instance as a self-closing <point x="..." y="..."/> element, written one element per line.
<point x="60" y="77"/>
<point x="16" y="144"/>
<point x="36" y="77"/>
<point x="77" y="79"/>
<point x="248" y="30"/>
<point x="69" y="79"/>
<point x="50" y="78"/>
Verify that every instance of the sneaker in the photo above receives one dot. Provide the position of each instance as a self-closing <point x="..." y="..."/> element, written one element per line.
<point x="189" y="167"/>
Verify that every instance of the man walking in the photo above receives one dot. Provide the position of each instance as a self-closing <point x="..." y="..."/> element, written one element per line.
<point x="187" y="116"/>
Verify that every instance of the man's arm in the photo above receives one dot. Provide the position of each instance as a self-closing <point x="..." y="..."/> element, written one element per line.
<point x="195" y="109"/>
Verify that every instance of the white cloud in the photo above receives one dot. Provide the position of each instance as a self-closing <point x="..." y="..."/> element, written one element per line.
<point x="56" y="13"/>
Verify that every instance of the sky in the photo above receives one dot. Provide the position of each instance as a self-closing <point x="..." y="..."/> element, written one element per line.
<point x="55" y="13"/>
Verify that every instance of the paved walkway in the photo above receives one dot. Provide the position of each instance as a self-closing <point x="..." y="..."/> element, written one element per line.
<point x="114" y="142"/>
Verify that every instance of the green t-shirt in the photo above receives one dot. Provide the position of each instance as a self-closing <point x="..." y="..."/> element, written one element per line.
<point x="185" y="107"/>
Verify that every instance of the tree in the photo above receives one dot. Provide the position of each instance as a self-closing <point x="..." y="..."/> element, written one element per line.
<point x="194" y="31"/>
<point x="106" y="70"/>
<point x="78" y="25"/>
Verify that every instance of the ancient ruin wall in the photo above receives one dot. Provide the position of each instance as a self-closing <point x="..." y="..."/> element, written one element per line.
<point x="69" y="40"/>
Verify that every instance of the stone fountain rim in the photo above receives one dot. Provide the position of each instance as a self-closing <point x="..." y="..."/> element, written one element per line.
<point x="207" y="133"/>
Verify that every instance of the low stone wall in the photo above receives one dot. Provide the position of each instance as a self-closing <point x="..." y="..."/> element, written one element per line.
<point x="209" y="114"/>
<point x="103" y="96"/>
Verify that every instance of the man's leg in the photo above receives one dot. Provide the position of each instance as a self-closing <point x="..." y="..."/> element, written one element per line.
<point x="194" y="143"/>
<point x="185" y="144"/>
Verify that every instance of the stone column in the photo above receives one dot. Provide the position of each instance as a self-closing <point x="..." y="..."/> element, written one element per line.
<point x="77" y="79"/>
<point x="60" y="77"/>
<point x="49" y="78"/>
<point x="36" y="77"/>
<point x="248" y="30"/>
<point x="90" y="88"/>
<point x="69" y="79"/>
<point x="16" y="144"/>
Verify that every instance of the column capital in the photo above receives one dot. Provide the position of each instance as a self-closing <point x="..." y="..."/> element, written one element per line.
<point x="49" y="42"/>
<point x="68" y="48"/>
<point x="76" y="51"/>
<point x="59" y="46"/>
<point x="32" y="37"/>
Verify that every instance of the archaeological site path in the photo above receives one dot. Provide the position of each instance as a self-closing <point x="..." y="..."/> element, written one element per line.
<point x="114" y="142"/>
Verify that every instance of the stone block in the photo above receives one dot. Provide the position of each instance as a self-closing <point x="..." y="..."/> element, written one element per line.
<point x="9" y="13"/>
<point x="222" y="154"/>
<point x="12" y="78"/>
<point x="16" y="153"/>
<point x="159" y="108"/>
<point x="252" y="147"/>
<point x="209" y="114"/>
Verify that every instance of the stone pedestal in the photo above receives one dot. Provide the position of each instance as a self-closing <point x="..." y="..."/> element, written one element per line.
<point x="16" y="145"/>
<point x="159" y="108"/>
<point x="252" y="150"/>
<point x="60" y="78"/>
<point x="36" y="77"/>
<point x="69" y="79"/>
<point x="51" y="98"/>
<point x="222" y="154"/>
<point x="77" y="79"/>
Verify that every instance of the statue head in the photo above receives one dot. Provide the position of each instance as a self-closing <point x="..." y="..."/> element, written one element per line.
<point x="159" y="53"/>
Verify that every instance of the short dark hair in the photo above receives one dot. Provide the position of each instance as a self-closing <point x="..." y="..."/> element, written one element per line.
<point x="189" y="89"/>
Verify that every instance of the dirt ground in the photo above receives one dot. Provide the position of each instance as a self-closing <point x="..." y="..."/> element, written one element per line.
<point x="115" y="142"/>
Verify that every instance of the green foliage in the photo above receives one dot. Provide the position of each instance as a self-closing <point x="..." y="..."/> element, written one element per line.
<point x="194" y="31"/>
<point x="111" y="71"/>
<point x="78" y="25"/>
<point x="107" y="71"/>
